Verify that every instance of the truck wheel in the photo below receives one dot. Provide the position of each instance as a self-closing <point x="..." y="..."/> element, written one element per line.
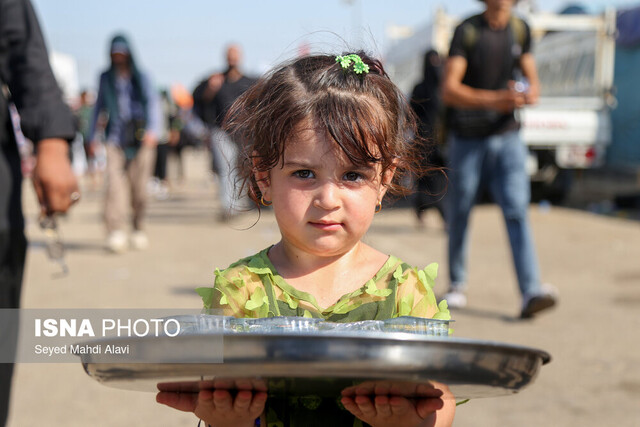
<point x="556" y="191"/>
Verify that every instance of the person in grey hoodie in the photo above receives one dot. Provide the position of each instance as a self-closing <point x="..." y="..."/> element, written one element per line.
<point x="132" y="113"/>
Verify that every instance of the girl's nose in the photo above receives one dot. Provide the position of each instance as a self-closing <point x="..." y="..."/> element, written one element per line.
<point x="327" y="196"/>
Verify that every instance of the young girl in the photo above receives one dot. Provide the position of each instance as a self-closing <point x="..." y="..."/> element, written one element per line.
<point x="327" y="137"/>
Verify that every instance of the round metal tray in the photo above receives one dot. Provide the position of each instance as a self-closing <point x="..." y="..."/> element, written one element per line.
<point x="325" y="364"/>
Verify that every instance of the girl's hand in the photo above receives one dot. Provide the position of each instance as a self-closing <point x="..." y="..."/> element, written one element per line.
<point x="394" y="411"/>
<point x="398" y="403"/>
<point x="218" y="407"/>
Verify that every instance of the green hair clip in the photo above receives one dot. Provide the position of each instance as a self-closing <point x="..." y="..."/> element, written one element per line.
<point x="359" y="67"/>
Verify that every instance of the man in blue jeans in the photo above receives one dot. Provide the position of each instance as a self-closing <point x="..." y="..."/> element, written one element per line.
<point x="488" y="53"/>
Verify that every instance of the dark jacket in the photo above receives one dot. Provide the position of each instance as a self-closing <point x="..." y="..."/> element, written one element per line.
<point x="212" y="112"/>
<point x="144" y="106"/>
<point x="25" y="69"/>
<point x="33" y="87"/>
<point x="425" y="97"/>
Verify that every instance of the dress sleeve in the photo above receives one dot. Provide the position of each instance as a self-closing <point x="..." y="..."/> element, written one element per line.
<point x="415" y="296"/>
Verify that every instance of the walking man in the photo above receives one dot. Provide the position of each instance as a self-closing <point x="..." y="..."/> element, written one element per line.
<point x="488" y="53"/>
<point x="212" y="99"/>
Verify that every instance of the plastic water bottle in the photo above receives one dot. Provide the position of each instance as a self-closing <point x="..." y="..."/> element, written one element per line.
<point x="521" y="82"/>
<point x="522" y="86"/>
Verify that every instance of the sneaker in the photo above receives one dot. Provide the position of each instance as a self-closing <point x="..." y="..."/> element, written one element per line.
<point x="152" y="186"/>
<point x="162" y="192"/>
<point x="139" y="240"/>
<point x="533" y="304"/>
<point x="455" y="298"/>
<point x="117" y="241"/>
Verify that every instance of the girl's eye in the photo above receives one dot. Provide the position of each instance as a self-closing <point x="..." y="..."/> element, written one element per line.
<point x="352" y="176"/>
<point x="304" y="174"/>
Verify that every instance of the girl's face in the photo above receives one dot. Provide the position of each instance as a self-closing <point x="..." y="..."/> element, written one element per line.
<point x="323" y="203"/>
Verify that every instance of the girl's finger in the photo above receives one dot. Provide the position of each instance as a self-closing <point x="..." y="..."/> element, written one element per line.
<point x="204" y="406"/>
<point x="222" y="400"/>
<point x="349" y="391"/>
<point x="366" y="406"/>
<point x="205" y="400"/>
<point x="400" y="405"/>
<point x="242" y="401"/>
<point x="350" y="405"/>
<point x="257" y="403"/>
<point x="205" y="395"/>
<point x="425" y="407"/>
<point x="382" y="406"/>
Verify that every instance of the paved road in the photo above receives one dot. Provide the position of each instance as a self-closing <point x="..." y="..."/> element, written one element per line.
<point x="593" y="335"/>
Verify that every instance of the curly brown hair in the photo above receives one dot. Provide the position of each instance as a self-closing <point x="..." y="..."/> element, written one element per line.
<point x="365" y="115"/>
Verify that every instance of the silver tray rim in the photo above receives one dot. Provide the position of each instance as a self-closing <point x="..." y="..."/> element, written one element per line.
<point x="366" y="336"/>
<point x="521" y="364"/>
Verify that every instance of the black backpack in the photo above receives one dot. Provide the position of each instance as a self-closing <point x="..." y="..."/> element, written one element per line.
<point x="481" y="123"/>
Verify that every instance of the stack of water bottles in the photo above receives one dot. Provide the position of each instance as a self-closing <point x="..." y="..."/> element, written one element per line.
<point x="206" y="323"/>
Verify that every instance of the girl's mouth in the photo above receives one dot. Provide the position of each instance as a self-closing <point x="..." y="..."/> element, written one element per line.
<point x="327" y="226"/>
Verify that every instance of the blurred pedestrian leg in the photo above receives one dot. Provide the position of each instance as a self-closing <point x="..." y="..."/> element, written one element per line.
<point x="499" y="160"/>
<point x="225" y="155"/>
<point x="126" y="180"/>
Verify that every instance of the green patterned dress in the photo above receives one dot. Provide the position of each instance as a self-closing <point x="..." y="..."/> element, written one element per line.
<point x="252" y="288"/>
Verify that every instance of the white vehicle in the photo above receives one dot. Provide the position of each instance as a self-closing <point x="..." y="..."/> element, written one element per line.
<point x="570" y="127"/>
